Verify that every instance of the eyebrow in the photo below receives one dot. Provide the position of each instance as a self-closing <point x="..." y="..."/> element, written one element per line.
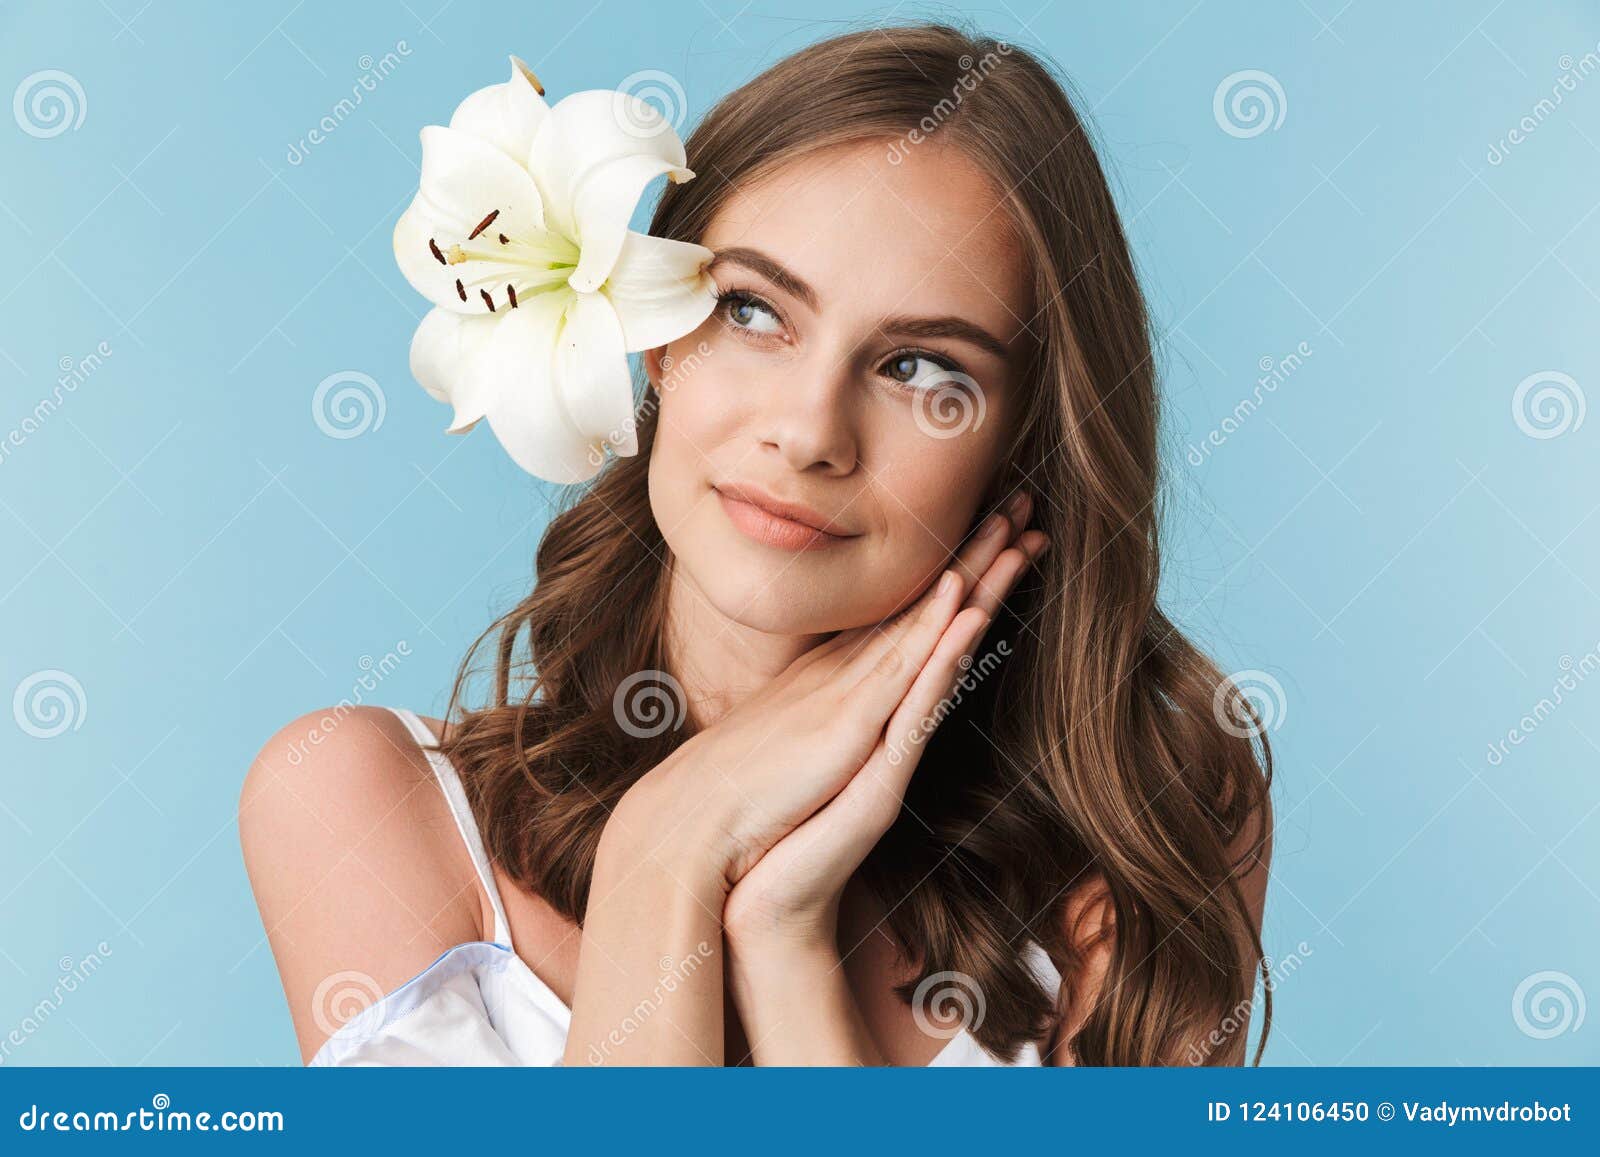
<point x="758" y="262"/>
<point x="951" y="327"/>
<point x="901" y="325"/>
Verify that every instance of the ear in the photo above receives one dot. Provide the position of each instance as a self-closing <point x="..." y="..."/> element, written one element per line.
<point x="1090" y="921"/>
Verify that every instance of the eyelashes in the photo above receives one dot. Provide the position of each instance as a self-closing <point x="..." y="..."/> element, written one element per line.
<point x="739" y="309"/>
<point x="739" y="299"/>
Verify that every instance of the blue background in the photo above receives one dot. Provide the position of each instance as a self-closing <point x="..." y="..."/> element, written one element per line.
<point x="1381" y="536"/>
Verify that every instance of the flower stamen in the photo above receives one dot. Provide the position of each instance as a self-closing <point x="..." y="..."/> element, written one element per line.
<point x="542" y="261"/>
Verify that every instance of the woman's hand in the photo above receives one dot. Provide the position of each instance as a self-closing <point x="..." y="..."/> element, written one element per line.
<point x="698" y="822"/>
<point x="793" y="891"/>
<point x="725" y="797"/>
<point x="781" y="916"/>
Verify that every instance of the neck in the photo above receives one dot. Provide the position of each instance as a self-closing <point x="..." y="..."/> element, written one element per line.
<point x="720" y="661"/>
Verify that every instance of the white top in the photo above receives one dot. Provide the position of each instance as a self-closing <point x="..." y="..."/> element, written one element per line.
<point x="480" y="1004"/>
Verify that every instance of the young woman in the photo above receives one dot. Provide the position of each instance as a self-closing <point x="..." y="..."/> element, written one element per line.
<point x="934" y="780"/>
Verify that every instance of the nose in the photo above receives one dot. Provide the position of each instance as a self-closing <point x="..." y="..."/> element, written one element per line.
<point x="809" y="418"/>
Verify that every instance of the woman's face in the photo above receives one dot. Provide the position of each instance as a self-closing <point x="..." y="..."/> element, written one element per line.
<point x="861" y="367"/>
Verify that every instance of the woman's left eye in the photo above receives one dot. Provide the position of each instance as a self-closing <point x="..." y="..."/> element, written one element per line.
<point x="912" y="368"/>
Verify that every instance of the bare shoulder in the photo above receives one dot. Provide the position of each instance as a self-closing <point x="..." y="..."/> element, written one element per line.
<point x="355" y="861"/>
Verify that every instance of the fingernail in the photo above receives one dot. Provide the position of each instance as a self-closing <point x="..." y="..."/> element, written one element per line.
<point x="993" y="525"/>
<point x="947" y="583"/>
<point x="1017" y="504"/>
<point x="1044" y="548"/>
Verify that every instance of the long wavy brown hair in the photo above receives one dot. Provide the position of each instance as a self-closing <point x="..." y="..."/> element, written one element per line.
<point x="1094" y="752"/>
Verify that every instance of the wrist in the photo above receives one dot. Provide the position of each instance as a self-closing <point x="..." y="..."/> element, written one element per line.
<point x="795" y="1003"/>
<point x="651" y="826"/>
<point x="764" y="968"/>
<point x="762" y="935"/>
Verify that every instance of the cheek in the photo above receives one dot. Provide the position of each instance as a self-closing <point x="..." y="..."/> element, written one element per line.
<point x="926" y="502"/>
<point x="690" y="410"/>
<point x="931" y="487"/>
<point x="697" y="418"/>
<point x="699" y="391"/>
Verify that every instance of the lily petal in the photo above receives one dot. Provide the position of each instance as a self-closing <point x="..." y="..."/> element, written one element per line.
<point x="506" y="115"/>
<point x="659" y="289"/>
<point x="592" y="373"/>
<point x="442" y="354"/>
<point x="463" y="180"/>
<point x="526" y="411"/>
<point x="592" y="159"/>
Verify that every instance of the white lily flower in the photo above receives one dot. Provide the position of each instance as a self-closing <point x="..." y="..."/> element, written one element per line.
<point x="519" y="236"/>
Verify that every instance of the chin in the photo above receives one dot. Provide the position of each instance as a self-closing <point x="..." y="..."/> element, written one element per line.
<point x="772" y="598"/>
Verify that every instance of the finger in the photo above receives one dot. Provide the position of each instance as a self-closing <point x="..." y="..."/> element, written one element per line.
<point x="922" y="709"/>
<point x="998" y="581"/>
<point x="877" y="678"/>
<point x="833" y="655"/>
<point x="993" y="535"/>
<point x="847" y="827"/>
<point x="852" y="652"/>
<point x="973" y="559"/>
<point x="975" y="556"/>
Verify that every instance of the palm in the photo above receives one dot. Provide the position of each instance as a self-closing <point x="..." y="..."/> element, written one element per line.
<point x="805" y="870"/>
<point x="795" y="885"/>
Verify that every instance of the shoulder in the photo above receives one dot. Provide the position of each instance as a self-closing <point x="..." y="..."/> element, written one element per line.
<point x="339" y="756"/>
<point x="355" y="862"/>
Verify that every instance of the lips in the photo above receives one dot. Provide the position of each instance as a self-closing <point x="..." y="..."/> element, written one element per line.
<point x="774" y="522"/>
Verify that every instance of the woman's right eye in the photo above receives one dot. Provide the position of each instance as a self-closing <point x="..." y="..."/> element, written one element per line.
<point x="747" y="312"/>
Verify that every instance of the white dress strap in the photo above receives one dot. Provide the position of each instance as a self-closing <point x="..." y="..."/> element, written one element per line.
<point x="455" y="795"/>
